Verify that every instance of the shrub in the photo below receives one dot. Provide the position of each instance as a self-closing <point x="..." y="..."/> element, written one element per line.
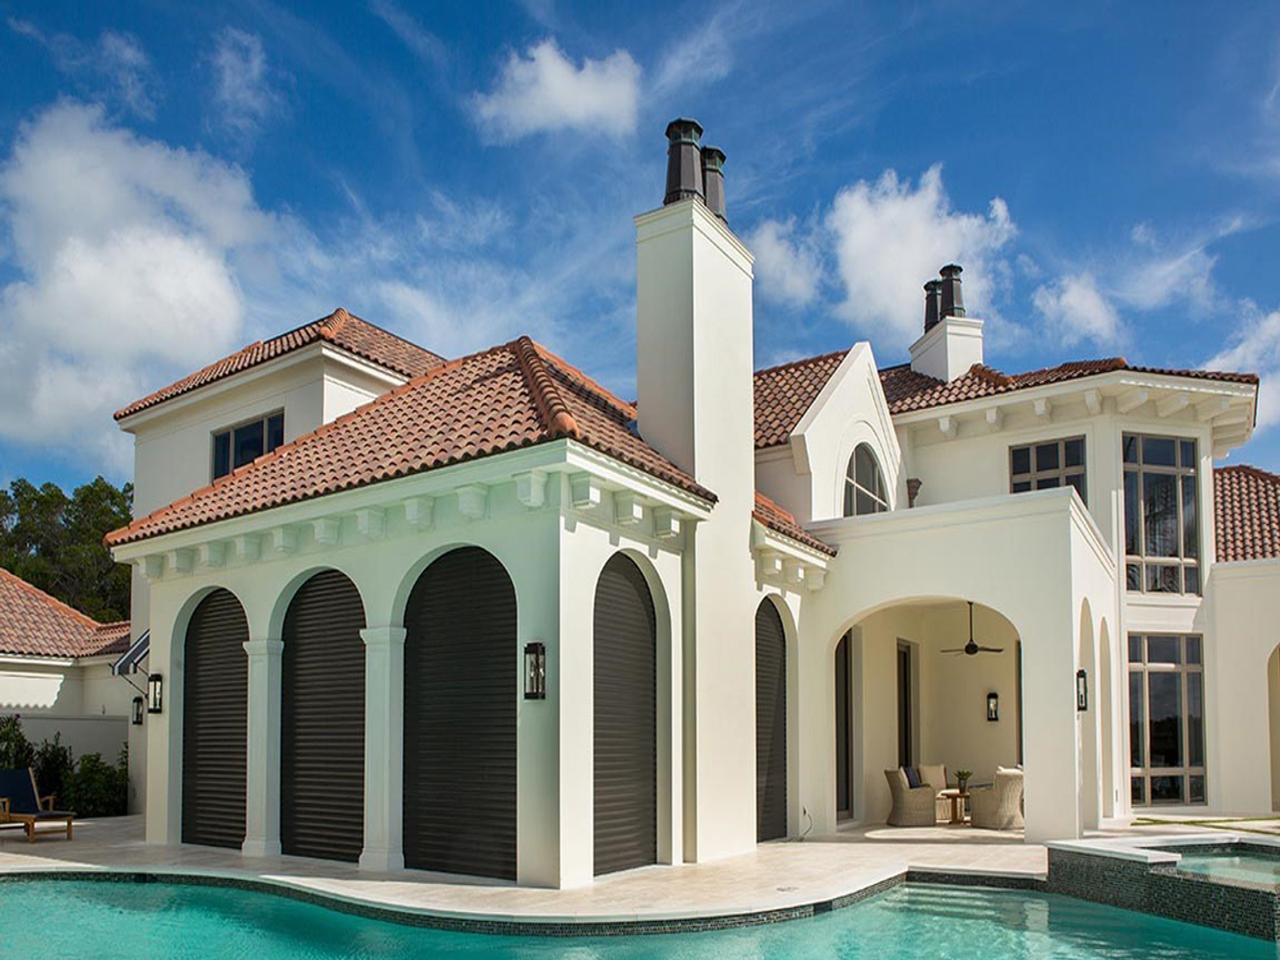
<point x="97" y="788"/>
<point x="53" y="765"/>
<point x="15" y="751"/>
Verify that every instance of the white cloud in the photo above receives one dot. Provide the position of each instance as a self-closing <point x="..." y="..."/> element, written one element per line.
<point x="243" y="92"/>
<point x="699" y="57"/>
<point x="544" y="91"/>
<point x="788" y="266"/>
<point x="117" y="65"/>
<point x="1075" y="310"/>
<point x="424" y="44"/>
<point x="890" y="237"/>
<point x="126" y="252"/>
<point x="1256" y="348"/>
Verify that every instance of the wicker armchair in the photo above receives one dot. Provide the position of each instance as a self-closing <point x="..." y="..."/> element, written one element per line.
<point x="912" y="806"/>
<point x="999" y="806"/>
<point x="936" y="776"/>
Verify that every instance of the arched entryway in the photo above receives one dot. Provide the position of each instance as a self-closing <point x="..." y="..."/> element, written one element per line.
<point x="322" y="721"/>
<point x="460" y="680"/>
<point x="1087" y="724"/>
<point x="771" y="723"/>
<point x="625" y="717"/>
<point x="215" y="689"/>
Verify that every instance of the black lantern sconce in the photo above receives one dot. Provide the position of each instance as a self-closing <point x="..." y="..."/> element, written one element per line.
<point x="1082" y="691"/>
<point x="155" y="693"/>
<point x="993" y="707"/>
<point x="535" y="671"/>
<point x="137" y="711"/>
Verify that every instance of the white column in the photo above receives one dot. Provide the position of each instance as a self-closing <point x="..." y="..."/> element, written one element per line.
<point x="1050" y="747"/>
<point x="262" y="774"/>
<point x="383" y="749"/>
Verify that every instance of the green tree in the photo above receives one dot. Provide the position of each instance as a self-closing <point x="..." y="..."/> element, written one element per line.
<point x="55" y="543"/>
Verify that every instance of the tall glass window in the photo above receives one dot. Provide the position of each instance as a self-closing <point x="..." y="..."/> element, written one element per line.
<point x="1166" y="719"/>
<point x="1054" y="463"/>
<point x="1161" y="515"/>
<point x="864" y="489"/>
<point x="243" y="444"/>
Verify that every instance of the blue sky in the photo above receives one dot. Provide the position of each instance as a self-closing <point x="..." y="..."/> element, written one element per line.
<point x="176" y="181"/>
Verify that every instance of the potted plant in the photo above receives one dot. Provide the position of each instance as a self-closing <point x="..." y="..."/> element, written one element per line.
<point x="962" y="779"/>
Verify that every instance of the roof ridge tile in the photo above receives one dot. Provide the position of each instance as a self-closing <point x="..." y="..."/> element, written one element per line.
<point x="554" y="412"/>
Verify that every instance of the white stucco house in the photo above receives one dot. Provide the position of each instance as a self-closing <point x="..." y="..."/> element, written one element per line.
<point x="480" y="615"/>
<point x="57" y="677"/>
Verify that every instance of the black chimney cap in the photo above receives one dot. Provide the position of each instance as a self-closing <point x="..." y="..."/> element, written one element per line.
<point x="684" y="130"/>
<point x="713" y="180"/>
<point x="952" y="299"/>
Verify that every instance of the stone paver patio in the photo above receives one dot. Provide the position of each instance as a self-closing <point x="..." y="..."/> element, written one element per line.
<point x="776" y="876"/>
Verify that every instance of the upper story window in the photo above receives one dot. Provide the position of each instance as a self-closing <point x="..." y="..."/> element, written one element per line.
<point x="236" y="446"/>
<point x="1161" y="514"/>
<point x="864" y="489"/>
<point x="1055" y="463"/>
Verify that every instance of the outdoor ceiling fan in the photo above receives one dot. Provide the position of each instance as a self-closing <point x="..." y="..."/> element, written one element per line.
<point x="971" y="649"/>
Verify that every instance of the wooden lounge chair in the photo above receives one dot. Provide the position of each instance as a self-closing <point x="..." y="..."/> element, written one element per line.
<point x="21" y="803"/>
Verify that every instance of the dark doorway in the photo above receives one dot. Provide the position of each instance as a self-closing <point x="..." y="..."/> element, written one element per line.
<point x="844" y="729"/>
<point x="626" y="719"/>
<point x="905" y="707"/>
<point x="215" y="696"/>
<point x="771" y="724"/>
<point x="460" y="678"/>
<point x="322" y="721"/>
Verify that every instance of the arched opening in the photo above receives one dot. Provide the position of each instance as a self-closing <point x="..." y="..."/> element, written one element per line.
<point x="322" y="721"/>
<point x="771" y="723"/>
<point x="864" y="487"/>
<point x="625" y="719"/>
<point x="460" y="685"/>
<point x="215" y="692"/>
<point x="910" y="700"/>
<point x="1087" y="725"/>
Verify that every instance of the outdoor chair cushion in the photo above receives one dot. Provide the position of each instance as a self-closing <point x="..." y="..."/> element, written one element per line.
<point x="913" y="777"/>
<point x="935" y="775"/>
<point x="18" y="786"/>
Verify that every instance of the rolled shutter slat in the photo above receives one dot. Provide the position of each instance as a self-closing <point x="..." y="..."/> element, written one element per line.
<point x="771" y="724"/>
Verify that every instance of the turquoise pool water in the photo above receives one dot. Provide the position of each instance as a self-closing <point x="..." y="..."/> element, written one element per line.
<point x="106" y="920"/>
<point x="1244" y="865"/>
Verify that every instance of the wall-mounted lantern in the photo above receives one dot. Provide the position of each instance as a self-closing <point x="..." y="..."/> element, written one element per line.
<point x="137" y="711"/>
<point x="155" y="693"/>
<point x="993" y="706"/>
<point x="535" y="671"/>
<point x="1082" y="690"/>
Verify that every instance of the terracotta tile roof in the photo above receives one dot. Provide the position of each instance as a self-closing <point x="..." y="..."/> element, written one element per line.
<point x="505" y="398"/>
<point x="34" y="624"/>
<point x="783" y="394"/>
<point x="781" y="521"/>
<point x="1246" y="513"/>
<point x="340" y="328"/>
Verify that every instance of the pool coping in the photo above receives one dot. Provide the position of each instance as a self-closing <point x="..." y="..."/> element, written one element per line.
<point x="543" y="925"/>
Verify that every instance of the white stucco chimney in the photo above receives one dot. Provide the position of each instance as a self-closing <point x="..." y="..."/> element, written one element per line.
<point x="694" y="369"/>
<point x="952" y="342"/>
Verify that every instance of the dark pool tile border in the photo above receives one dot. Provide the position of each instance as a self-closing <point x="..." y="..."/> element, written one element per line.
<point x="994" y="881"/>
<point x="1164" y="891"/>
<point x="513" y="927"/>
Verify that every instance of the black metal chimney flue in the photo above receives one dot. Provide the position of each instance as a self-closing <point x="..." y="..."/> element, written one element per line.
<point x="952" y="301"/>
<point x="932" y="304"/>
<point x="713" y="180"/>
<point x="684" y="160"/>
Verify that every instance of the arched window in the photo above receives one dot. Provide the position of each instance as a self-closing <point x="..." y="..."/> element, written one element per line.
<point x="864" y="489"/>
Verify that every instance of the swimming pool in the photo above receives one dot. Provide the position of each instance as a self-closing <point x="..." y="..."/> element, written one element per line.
<point x="1236" y="862"/>
<point x="107" y="920"/>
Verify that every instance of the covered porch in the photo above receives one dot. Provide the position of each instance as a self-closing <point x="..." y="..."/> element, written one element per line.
<point x="877" y="691"/>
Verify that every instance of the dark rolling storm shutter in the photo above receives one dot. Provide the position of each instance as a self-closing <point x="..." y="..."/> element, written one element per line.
<point x="771" y="724"/>
<point x="322" y="721"/>
<point x="460" y="687"/>
<point x="625" y="685"/>
<point x="215" y="692"/>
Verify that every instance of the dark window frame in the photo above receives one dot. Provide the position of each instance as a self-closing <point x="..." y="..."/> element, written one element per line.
<point x="1144" y="667"/>
<point x="857" y="493"/>
<point x="1035" y="479"/>
<point x="1141" y="567"/>
<point x="228" y="435"/>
